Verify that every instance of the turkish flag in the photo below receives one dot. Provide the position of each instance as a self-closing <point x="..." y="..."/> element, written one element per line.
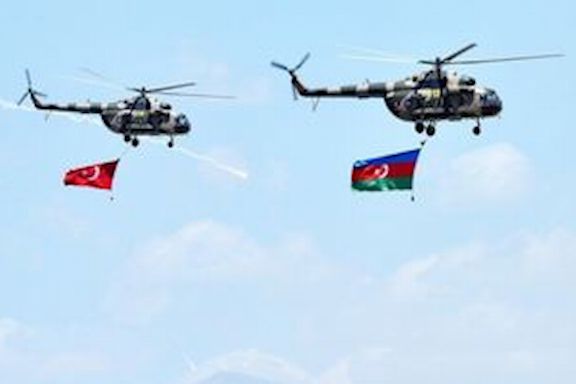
<point x="98" y="176"/>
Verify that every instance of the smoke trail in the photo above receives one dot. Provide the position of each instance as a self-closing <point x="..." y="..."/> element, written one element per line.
<point x="8" y="105"/>
<point x="206" y="159"/>
<point x="11" y="106"/>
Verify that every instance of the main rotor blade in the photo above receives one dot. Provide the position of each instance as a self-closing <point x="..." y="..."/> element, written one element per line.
<point x="28" y="79"/>
<point x="505" y="59"/>
<point x="279" y="66"/>
<point x="99" y="83"/>
<point x="103" y="79"/>
<point x="302" y="62"/>
<point x="457" y="53"/>
<point x="375" y="53"/>
<point x="169" y="87"/>
<point x="201" y="95"/>
<point x="380" y="59"/>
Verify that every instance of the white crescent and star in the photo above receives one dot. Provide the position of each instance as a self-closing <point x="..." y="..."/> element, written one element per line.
<point x="92" y="174"/>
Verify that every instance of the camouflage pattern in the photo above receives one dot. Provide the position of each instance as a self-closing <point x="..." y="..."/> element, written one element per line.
<point x="132" y="117"/>
<point x="424" y="98"/>
<point x="420" y="98"/>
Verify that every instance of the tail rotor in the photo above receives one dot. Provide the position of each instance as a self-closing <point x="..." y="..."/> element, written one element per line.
<point x="30" y="92"/>
<point x="292" y="72"/>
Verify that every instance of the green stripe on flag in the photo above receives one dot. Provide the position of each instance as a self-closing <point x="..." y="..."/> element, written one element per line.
<point x="388" y="184"/>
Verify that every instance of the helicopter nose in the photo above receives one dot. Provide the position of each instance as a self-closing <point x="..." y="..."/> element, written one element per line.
<point x="182" y="124"/>
<point x="492" y="104"/>
<point x="183" y="128"/>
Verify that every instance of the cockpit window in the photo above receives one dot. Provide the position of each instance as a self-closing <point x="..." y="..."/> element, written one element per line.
<point x="467" y="80"/>
<point x="182" y="120"/>
<point x="491" y="96"/>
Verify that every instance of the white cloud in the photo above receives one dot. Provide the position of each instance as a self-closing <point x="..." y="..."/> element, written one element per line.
<point x="263" y="366"/>
<point x="72" y="364"/>
<point x="499" y="172"/>
<point x="506" y="263"/>
<point x="9" y="329"/>
<point x="472" y="307"/>
<point x="252" y="363"/>
<point x="24" y="356"/>
<point x="407" y="278"/>
<point x="551" y="255"/>
<point x="202" y="250"/>
<point x="207" y="252"/>
<point x="418" y="277"/>
<point x="339" y="374"/>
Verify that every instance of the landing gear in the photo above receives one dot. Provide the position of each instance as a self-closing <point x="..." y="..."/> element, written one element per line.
<point x="135" y="142"/>
<point x="171" y="143"/>
<point x="476" y="130"/>
<point x="127" y="138"/>
<point x="419" y="127"/>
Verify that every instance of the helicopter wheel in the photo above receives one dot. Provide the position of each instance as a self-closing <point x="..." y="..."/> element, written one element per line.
<point x="476" y="130"/>
<point x="135" y="142"/>
<point x="419" y="127"/>
<point x="171" y="143"/>
<point x="127" y="138"/>
<point x="430" y="130"/>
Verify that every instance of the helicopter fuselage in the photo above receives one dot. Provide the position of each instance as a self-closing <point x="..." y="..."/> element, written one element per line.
<point x="131" y="118"/>
<point x="145" y="122"/>
<point x="421" y="98"/>
<point x="410" y="102"/>
<point x="425" y="98"/>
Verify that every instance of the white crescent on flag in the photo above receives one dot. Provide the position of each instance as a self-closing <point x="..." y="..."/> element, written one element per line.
<point x="93" y="173"/>
<point x="382" y="172"/>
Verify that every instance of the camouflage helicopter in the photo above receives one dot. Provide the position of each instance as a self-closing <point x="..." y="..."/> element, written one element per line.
<point x="137" y="116"/>
<point x="424" y="98"/>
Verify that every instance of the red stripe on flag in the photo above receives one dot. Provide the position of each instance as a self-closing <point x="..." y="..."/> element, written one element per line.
<point x="372" y="172"/>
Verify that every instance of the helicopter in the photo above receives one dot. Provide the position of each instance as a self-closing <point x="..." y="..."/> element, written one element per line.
<point x="137" y="116"/>
<point x="425" y="98"/>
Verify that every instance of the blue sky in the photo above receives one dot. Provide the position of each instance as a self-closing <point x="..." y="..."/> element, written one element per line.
<point x="194" y="276"/>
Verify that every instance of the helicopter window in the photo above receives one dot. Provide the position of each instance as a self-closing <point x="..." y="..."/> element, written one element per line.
<point x="141" y="104"/>
<point x="165" y="106"/>
<point x="182" y="120"/>
<point x="491" y="98"/>
<point x="466" y="80"/>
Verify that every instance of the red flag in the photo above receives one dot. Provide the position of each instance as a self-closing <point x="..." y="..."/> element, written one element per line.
<point x="96" y="176"/>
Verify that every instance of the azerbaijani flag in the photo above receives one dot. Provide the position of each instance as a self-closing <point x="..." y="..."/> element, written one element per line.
<point x="393" y="172"/>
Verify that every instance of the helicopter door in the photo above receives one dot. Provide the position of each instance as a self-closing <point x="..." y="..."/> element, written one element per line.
<point x="467" y="97"/>
<point x="157" y="119"/>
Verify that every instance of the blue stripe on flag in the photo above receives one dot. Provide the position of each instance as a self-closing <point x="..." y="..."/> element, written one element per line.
<point x="402" y="157"/>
